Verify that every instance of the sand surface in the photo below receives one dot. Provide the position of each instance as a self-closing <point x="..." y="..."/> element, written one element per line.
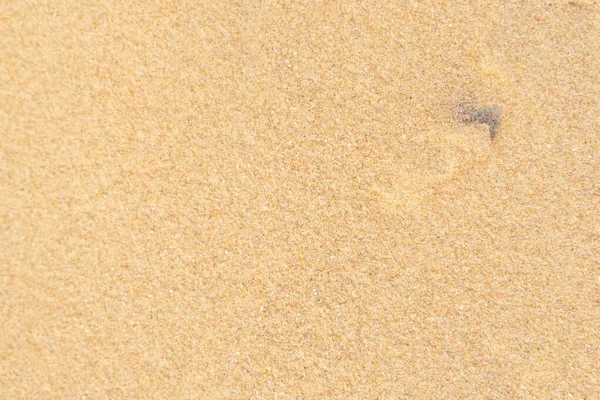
<point x="300" y="199"/>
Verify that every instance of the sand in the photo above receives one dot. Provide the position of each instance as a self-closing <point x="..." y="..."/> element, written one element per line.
<point x="300" y="200"/>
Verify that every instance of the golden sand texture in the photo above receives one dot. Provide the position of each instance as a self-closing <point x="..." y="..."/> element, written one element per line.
<point x="299" y="199"/>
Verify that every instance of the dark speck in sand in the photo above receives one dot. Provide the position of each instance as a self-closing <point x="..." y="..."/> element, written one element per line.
<point x="482" y="115"/>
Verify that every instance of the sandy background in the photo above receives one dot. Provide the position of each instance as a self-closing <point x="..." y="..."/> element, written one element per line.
<point x="272" y="199"/>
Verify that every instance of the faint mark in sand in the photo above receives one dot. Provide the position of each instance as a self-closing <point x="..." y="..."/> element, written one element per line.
<point x="582" y="3"/>
<point x="484" y="115"/>
<point x="434" y="158"/>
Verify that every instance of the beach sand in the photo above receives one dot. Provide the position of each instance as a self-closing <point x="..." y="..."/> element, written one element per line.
<point x="300" y="200"/>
